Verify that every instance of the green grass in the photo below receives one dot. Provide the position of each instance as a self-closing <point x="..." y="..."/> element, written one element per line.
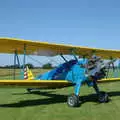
<point x="16" y="104"/>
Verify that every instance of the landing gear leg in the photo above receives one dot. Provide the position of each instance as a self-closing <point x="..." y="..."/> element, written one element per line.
<point x="102" y="96"/>
<point x="73" y="100"/>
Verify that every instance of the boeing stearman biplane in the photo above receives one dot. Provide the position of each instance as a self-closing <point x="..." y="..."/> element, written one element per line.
<point x="89" y="67"/>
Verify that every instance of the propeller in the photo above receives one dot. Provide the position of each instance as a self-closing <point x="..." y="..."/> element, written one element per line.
<point x="109" y="66"/>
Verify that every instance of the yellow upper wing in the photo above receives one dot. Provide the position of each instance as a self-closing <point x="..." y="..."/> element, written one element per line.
<point x="9" y="45"/>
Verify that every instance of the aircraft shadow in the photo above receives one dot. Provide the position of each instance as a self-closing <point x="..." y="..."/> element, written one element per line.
<point x="53" y="99"/>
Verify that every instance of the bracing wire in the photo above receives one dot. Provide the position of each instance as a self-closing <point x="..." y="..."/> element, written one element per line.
<point x="34" y="59"/>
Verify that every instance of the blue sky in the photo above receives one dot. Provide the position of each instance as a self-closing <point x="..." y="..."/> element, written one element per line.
<point x="93" y="23"/>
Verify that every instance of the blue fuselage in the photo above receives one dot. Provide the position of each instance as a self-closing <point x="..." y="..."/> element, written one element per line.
<point x="72" y="71"/>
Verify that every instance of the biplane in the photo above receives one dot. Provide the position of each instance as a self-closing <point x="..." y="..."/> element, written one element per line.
<point x="88" y="66"/>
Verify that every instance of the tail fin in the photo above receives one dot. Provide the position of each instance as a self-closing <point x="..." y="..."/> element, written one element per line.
<point x="28" y="74"/>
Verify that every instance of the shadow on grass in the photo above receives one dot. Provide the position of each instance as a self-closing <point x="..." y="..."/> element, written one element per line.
<point x="53" y="99"/>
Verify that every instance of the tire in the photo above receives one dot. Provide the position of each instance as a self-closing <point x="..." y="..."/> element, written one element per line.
<point x="103" y="97"/>
<point x="73" y="101"/>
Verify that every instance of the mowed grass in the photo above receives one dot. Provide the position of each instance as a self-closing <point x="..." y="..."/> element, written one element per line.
<point x="17" y="104"/>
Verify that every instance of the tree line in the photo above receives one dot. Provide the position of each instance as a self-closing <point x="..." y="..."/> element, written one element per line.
<point x="31" y="66"/>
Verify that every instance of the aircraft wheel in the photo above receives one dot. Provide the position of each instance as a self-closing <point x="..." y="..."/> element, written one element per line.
<point x="73" y="101"/>
<point x="103" y="97"/>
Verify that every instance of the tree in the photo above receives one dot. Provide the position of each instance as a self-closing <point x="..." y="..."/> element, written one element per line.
<point x="29" y="65"/>
<point x="47" y="66"/>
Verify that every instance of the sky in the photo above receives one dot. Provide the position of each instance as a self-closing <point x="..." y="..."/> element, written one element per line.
<point x="92" y="23"/>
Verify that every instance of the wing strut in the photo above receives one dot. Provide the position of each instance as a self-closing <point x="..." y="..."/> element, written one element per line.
<point x="16" y="59"/>
<point x="74" y="55"/>
<point x="24" y="59"/>
<point x="63" y="57"/>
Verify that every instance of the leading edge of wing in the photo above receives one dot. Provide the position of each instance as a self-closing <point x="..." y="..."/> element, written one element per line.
<point x="37" y="83"/>
<point x="108" y="80"/>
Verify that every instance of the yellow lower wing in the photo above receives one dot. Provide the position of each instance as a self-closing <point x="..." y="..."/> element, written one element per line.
<point x="46" y="83"/>
<point x="37" y="83"/>
<point x="109" y="80"/>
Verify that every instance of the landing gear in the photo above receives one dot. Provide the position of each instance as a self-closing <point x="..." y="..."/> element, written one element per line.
<point x="73" y="101"/>
<point x="103" y="97"/>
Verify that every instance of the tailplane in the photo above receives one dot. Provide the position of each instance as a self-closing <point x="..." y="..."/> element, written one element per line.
<point x="28" y="75"/>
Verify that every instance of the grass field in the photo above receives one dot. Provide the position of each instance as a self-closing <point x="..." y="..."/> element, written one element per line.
<point x="8" y="73"/>
<point x="17" y="104"/>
